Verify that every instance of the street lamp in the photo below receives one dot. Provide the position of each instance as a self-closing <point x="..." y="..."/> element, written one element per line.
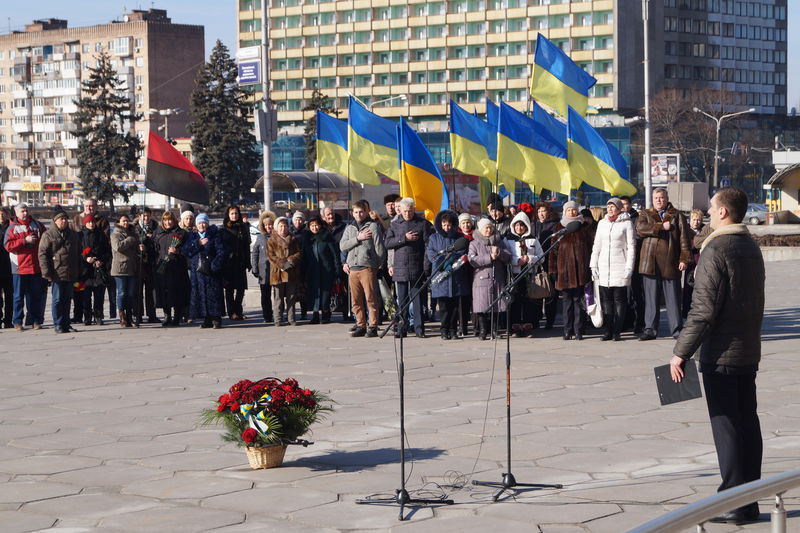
<point x="716" y="144"/>
<point x="166" y="113"/>
<point x="402" y="97"/>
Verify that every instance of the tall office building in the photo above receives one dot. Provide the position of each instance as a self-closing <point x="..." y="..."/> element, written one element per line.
<point x="410" y="58"/>
<point x="41" y="70"/>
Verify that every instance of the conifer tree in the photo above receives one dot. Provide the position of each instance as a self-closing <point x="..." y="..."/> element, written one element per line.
<point x="223" y="143"/>
<point x="108" y="148"/>
<point x="322" y="102"/>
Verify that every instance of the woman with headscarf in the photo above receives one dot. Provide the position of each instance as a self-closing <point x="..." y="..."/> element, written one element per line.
<point x="612" y="263"/>
<point x="570" y="262"/>
<point x="466" y="227"/>
<point x="260" y="263"/>
<point x="236" y="239"/>
<point x="524" y="248"/>
<point x="489" y="257"/>
<point x="448" y="291"/>
<point x="172" y="283"/>
<point x="319" y="266"/>
<point x="206" y="250"/>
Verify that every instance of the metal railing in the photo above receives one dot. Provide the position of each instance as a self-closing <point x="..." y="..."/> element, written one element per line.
<point x="698" y="513"/>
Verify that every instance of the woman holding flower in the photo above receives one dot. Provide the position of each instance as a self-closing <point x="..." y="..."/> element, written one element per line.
<point x="172" y="283"/>
<point x="97" y="258"/>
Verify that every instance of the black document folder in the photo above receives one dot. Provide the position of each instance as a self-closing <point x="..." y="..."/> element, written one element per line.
<point x="671" y="392"/>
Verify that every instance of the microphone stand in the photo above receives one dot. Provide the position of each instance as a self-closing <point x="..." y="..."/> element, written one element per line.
<point x="509" y="482"/>
<point x="401" y="495"/>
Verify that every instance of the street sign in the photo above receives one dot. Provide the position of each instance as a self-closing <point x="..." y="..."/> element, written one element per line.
<point x="249" y="52"/>
<point x="249" y="72"/>
<point x="724" y="182"/>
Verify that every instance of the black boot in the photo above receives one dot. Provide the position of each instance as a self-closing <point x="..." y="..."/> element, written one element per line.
<point x="326" y="317"/>
<point x="314" y="318"/>
<point x="608" y="321"/>
<point x="620" y="310"/>
<point x="167" y="318"/>
<point x="483" y="325"/>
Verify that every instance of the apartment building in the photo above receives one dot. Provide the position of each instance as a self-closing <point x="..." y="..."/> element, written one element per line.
<point x="411" y="57"/>
<point x="41" y="70"/>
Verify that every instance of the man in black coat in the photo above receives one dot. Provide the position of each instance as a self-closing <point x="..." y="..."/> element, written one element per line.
<point x="146" y="299"/>
<point x="725" y="323"/>
<point x="408" y="237"/>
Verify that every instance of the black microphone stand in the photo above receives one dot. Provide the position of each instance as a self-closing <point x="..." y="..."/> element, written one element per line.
<point x="401" y="495"/>
<point x="509" y="482"/>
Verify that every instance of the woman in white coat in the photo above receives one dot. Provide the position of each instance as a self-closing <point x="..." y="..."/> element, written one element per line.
<point x="523" y="247"/>
<point x="612" y="263"/>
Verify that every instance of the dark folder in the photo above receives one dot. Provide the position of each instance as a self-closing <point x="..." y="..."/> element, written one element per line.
<point x="671" y="392"/>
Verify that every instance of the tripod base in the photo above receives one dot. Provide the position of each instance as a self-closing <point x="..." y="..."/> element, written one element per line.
<point x="403" y="499"/>
<point x="509" y="483"/>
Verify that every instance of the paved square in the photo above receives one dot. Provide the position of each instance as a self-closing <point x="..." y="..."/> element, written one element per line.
<point x="99" y="430"/>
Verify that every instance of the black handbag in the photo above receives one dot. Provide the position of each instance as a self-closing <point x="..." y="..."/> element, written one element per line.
<point x="204" y="265"/>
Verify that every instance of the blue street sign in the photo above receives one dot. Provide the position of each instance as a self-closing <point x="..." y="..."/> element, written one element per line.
<point x="249" y="72"/>
<point x="724" y="182"/>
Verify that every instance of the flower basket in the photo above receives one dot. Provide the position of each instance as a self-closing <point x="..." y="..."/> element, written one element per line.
<point x="266" y="457"/>
<point x="265" y="416"/>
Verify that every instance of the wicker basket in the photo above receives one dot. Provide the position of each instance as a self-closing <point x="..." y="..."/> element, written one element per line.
<point x="267" y="457"/>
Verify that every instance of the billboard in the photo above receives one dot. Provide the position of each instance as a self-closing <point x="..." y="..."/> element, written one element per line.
<point x="665" y="169"/>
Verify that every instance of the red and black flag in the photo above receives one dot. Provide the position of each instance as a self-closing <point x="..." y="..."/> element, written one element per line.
<point x="171" y="174"/>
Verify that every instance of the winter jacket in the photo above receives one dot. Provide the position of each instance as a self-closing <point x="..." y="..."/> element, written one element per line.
<point x="285" y="255"/>
<point x="409" y="256"/>
<point x="125" y="251"/>
<point x="728" y="304"/>
<point x="236" y="239"/>
<point x="5" y="261"/>
<point x="258" y="258"/>
<point x="99" y="246"/>
<point x="369" y="253"/>
<point x="522" y="245"/>
<point x="142" y="231"/>
<point x="207" y="299"/>
<point x="614" y="251"/>
<point x="60" y="254"/>
<point x="489" y="277"/>
<point x="24" y="256"/>
<point x="663" y="250"/>
<point x="458" y="282"/>
<point x="320" y="260"/>
<point x="569" y="260"/>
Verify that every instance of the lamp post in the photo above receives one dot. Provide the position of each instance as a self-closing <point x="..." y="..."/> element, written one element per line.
<point x="648" y="181"/>
<point x="399" y="96"/>
<point x="718" y="121"/>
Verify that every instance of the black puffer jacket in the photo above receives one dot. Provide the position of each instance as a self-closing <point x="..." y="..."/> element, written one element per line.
<point x="409" y="256"/>
<point x="728" y="303"/>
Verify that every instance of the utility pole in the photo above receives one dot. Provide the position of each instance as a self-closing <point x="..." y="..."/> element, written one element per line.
<point x="648" y="182"/>
<point x="266" y="143"/>
<point x="718" y="122"/>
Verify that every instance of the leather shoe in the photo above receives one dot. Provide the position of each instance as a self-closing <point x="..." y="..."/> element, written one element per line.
<point x="647" y="335"/>
<point x="359" y="332"/>
<point x="372" y="332"/>
<point x="742" y="515"/>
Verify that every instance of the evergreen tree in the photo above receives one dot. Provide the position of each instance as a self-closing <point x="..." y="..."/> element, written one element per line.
<point x="108" y="148"/>
<point x="223" y="143"/>
<point x="322" y="102"/>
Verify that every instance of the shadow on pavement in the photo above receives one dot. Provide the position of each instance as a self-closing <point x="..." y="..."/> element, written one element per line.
<point x="781" y="324"/>
<point x="335" y="459"/>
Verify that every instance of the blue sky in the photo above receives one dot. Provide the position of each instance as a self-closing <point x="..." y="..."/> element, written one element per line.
<point x="219" y="19"/>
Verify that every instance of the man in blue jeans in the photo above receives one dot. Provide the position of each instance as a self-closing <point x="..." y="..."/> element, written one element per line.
<point x="60" y="261"/>
<point x="22" y="243"/>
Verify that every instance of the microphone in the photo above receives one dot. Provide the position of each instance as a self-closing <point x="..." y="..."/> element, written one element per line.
<point x="461" y="244"/>
<point x="572" y="227"/>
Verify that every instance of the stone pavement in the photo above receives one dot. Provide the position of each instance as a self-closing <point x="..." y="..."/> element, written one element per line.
<point x="99" y="430"/>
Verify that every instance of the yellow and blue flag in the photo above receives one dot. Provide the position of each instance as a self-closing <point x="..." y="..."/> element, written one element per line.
<point x="557" y="81"/>
<point x="473" y="143"/>
<point x="420" y="178"/>
<point x="372" y="140"/>
<point x="332" y="151"/>
<point x="596" y="161"/>
<point x="533" y="149"/>
<point x="491" y="112"/>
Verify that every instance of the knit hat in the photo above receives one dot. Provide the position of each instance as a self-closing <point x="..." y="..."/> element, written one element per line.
<point x="482" y="223"/>
<point x="464" y="216"/>
<point x="281" y="219"/>
<point x="202" y="217"/>
<point x="616" y="201"/>
<point x="59" y="214"/>
<point x="187" y="214"/>
<point x="298" y="214"/>
<point x="572" y="204"/>
<point x="87" y="219"/>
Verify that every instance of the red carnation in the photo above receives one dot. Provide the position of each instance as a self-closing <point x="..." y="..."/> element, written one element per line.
<point x="235" y="407"/>
<point x="86" y="251"/>
<point x="249" y="435"/>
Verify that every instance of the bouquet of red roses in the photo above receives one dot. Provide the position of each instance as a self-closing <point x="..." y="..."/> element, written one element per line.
<point x="267" y="412"/>
<point x="175" y="241"/>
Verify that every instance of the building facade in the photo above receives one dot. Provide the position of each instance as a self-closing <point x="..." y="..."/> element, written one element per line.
<point x="41" y="70"/>
<point x="411" y="57"/>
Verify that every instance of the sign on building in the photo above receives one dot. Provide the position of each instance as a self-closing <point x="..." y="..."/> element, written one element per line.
<point x="665" y="169"/>
<point x="249" y="72"/>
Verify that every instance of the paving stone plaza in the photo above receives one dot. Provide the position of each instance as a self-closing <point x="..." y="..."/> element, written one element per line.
<point x="100" y="430"/>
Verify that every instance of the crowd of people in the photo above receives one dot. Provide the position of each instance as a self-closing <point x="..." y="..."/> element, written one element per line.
<point x="370" y="267"/>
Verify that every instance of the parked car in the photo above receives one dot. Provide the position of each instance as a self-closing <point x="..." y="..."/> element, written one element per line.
<point x="756" y="214"/>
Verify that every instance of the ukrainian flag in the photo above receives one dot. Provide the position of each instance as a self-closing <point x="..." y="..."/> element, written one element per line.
<point x="420" y="178"/>
<point x="473" y="143"/>
<point x="372" y="140"/>
<point x="491" y="112"/>
<point x="332" y="151"/>
<point x="532" y="150"/>
<point x="595" y="160"/>
<point x="557" y="81"/>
